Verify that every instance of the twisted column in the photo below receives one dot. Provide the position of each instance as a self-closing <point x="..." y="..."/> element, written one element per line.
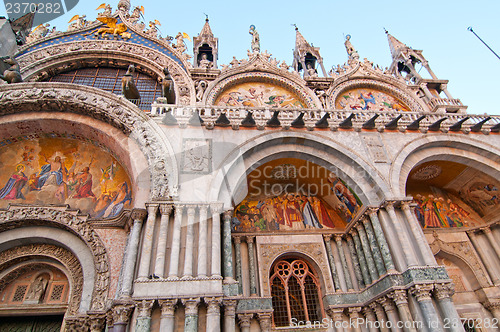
<point x="202" y="242"/>
<point x="162" y="240"/>
<point x="130" y="256"/>
<point x="336" y="282"/>
<point x="188" y="257"/>
<point x="176" y="242"/>
<point x="167" y="321"/>
<point x="147" y="245"/>
<point x="143" y="321"/>
<point x="340" y="249"/>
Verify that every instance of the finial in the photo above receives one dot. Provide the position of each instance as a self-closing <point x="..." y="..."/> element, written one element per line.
<point x="206" y="19"/>
<point x="295" y="25"/>
<point x="387" y="32"/>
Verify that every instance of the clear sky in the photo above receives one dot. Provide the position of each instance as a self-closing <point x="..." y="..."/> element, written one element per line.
<point x="439" y="28"/>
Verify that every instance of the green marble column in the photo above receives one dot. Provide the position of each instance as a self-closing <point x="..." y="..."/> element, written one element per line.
<point x="368" y="255"/>
<point x="191" y="314"/>
<point x="336" y="282"/>
<point x="143" y="321"/>
<point x="377" y="256"/>
<point x="361" y="256"/>
<point x="251" y="265"/>
<point x="379" y="234"/>
<point x="355" y="262"/>
<point x="401" y="299"/>
<point x="343" y="260"/>
<point x="227" y="249"/>
<point x="237" y="253"/>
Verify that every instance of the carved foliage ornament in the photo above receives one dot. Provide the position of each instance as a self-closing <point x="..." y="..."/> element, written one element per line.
<point x="97" y="104"/>
<point x="80" y="226"/>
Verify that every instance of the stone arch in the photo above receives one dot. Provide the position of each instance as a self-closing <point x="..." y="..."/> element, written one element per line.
<point x="346" y="163"/>
<point x="106" y="107"/>
<point x="37" y="64"/>
<point x="397" y="91"/>
<point x="457" y="148"/>
<point x="67" y="229"/>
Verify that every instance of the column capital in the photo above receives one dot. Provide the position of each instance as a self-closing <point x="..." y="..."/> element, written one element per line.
<point x="327" y="237"/>
<point x="486" y="229"/>
<point x="368" y="312"/>
<point x="191" y="305"/>
<point x="167" y="306"/>
<point x="389" y="205"/>
<point x="166" y="209"/>
<point x="179" y="208"/>
<point x="399" y="296"/>
<point x="228" y="213"/>
<point x="144" y="307"/>
<point x="121" y="313"/>
<point x="216" y="207"/>
<point x="138" y="215"/>
<point x="191" y="209"/>
<point x="229" y="307"/>
<point x="359" y="227"/>
<point x="336" y="314"/>
<point x="386" y="303"/>
<point x="151" y="207"/>
<point x="353" y="232"/>
<point x="372" y="211"/>
<point x="245" y="320"/>
<point x="214" y="304"/>
<point x="443" y="291"/>
<point x="237" y="239"/>
<point x="422" y="291"/>
<point x="376" y="307"/>
<point x="338" y="238"/>
<point x="265" y="321"/>
<point x="365" y="220"/>
<point x="250" y="238"/>
<point x="354" y="312"/>
<point x="96" y="322"/>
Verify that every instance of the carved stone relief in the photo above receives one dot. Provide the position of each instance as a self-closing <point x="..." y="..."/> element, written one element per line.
<point x="196" y="155"/>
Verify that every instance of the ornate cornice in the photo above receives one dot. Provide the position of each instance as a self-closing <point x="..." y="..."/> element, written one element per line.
<point x="103" y="106"/>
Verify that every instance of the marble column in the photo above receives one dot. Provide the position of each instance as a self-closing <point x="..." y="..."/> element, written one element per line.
<point x="188" y="257"/>
<point x="417" y="231"/>
<point x="355" y="262"/>
<point x="393" y="242"/>
<point x="402" y="234"/>
<point x="121" y="316"/>
<point x="147" y="245"/>
<point x="443" y="294"/>
<point x="423" y="295"/>
<point x="251" y="265"/>
<point x="202" y="242"/>
<point x="229" y="315"/>
<point x="227" y="246"/>
<point x="490" y="268"/>
<point x="379" y="234"/>
<point x="159" y="270"/>
<point x="213" y="314"/>
<point x="401" y="299"/>
<point x="390" y="311"/>
<point x="381" y="318"/>
<point x="355" y="319"/>
<point x="216" y="231"/>
<point x="173" y="271"/>
<point x="361" y="256"/>
<point x="245" y="320"/>
<point x="377" y="256"/>
<point x="491" y="239"/>
<point x="191" y="314"/>
<point x="343" y="260"/>
<point x="337" y="317"/>
<point x="130" y="256"/>
<point x="237" y="253"/>
<point x="265" y="321"/>
<point x="167" y="321"/>
<point x="372" y="270"/>
<point x="143" y="321"/>
<point x="336" y="282"/>
<point x="370" y="319"/>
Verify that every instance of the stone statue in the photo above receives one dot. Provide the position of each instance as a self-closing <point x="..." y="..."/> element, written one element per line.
<point x="107" y="10"/>
<point x="311" y="72"/>
<point x="167" y="87"/>
<point x="37" y="290"/>
<point x="351" y="51"/>
<point x="13" y="73"/>
<point x="200" y="89"/>
<point x="180" y="45"/>
<point x="39" y="32"/>
<point x="204" y="62"/>
<point x="255" y="39"/>
<point x="129" y="89"/>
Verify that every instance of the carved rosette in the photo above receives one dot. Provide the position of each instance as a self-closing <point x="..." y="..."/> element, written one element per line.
<point x="79" y="225"/>
<point x="103" y="106"/>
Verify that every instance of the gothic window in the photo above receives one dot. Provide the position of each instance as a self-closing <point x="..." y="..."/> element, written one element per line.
<point x="109" y="79"/>
<point x="296" y="293"/>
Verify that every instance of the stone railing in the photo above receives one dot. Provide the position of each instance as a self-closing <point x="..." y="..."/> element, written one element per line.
<point x="446" y="104"/>
<point x="311" y="119"/>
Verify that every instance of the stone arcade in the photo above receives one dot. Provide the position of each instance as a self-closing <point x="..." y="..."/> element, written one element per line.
<point x="252" y="196"/>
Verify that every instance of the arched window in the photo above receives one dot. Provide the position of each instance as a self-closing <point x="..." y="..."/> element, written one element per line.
<point x="296" y="293"/>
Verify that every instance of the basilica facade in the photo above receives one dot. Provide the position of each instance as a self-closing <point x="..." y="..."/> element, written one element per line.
<point x="148" y="188"/>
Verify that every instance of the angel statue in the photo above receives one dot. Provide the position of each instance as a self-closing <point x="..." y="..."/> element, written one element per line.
<point x="39" y="32"/>
<point x="153" y="30"/>
<point x="107" y="10"/>
<point x="180" y="45"/>
<point x="79" y="22"/>
<point x="136" y="14"/>
<point x="255" y="39"/>
<point x="113" y="28"/>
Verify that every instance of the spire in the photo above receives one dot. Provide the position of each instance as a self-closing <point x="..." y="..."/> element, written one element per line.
<point x="300" y="41"/>
<point x="206" y="31"/>
<point x="306" y="56"/>
<point x="205" y="48"/>
<point x="395" y="45"/>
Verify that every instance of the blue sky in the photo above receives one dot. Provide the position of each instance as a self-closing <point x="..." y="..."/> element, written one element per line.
<point x="439" y="28"/>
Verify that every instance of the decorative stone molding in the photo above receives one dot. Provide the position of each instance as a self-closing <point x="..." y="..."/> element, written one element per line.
<point x="229" y="307"/>
<point x="214" y="304"/>
<point x="121" y="313"/>
<point x="138" y="214"/>
<point x="96" y="322"/>
<point x="245" y="320"/>
<point x="15" y="255"/>
<point x="144" y="308"/>
<point x="443" y="291"/>
<point x="422" y="292"/>
<point x="103" y="106"/>
<point x="191" y="305"/>
<point x="399" y="296"/>
<point x="18" y="216"/>
<point x="265" y="321"/>
<point x="168" y="307"/>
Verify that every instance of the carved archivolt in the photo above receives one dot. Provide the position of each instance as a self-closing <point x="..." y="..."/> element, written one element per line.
<point x="60" y="57"/>
<point x="466" y="253"/>
<point x="59" y="254"/>
<point x="270" y="252"/>
<point x="104" y="106"/>
<point x="79" y="225"/>
<point x="335" y="91"/>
